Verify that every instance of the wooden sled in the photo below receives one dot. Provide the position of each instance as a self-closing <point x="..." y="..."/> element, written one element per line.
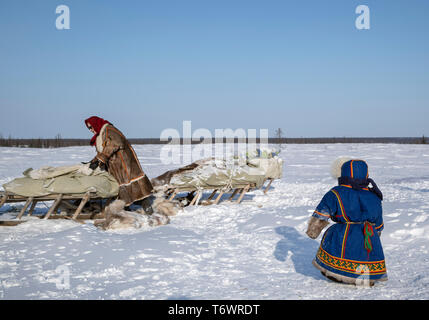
<point x="195" y="195"/>
<point x="89" y="206"/>
<point x="74" y="207"/>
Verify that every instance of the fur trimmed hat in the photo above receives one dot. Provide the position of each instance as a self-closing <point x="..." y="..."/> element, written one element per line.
<point x="354" y="172"/>
<point x="337" y="165"/>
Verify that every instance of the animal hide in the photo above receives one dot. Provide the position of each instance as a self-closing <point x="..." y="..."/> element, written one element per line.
<point x="116" y="217"/>
<point x="164" y="206"/>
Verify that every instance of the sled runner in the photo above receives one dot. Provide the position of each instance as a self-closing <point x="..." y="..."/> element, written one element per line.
<point x="195" y="195"/>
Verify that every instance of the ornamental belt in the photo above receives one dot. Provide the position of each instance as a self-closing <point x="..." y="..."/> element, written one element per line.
<point x="368" y="232"/>
<point x="351" y="222"/>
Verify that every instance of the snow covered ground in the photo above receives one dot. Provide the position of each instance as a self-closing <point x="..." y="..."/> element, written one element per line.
<point x="255" y="250"/>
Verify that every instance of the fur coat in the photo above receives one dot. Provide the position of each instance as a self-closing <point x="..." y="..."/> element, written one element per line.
<point x="114" y="150"/>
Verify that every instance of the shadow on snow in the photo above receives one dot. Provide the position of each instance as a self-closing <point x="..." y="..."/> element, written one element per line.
<point x="302" y="251"/>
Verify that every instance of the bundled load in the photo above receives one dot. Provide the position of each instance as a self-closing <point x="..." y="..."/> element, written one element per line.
<point x="77" y="191"/>
<point x="76" y="180"/>
<point x="232" y="174"/>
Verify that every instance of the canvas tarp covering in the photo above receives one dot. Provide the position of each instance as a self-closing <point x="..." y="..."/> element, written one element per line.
<point x="69" y="180"/>
<point x="221" y="174"/>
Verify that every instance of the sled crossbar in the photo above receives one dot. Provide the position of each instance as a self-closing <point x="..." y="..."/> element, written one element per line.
<point x="59" y="201"/>
<point x="196" y="195"/>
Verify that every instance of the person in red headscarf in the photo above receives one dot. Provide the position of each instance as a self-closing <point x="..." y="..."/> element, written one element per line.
<point x="116" y="155"/>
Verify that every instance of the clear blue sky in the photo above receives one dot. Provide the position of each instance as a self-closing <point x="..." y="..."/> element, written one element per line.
<point x="148" y="65"/>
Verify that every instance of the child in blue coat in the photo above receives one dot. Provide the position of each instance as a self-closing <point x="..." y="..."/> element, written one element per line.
<point x="350" y="250"/>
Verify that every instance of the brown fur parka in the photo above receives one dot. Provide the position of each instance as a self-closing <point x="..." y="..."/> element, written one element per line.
<point x="121" y="161"/>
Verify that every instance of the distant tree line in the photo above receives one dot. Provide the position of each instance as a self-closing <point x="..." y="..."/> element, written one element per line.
<point x="59" y="142"/>
<point x="399" y="140"/>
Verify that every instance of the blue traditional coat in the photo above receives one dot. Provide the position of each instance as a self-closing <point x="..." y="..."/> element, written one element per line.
<point x="352" y="247"/>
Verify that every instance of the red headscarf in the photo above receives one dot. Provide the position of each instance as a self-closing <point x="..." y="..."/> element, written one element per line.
<point x="97" y="123"/>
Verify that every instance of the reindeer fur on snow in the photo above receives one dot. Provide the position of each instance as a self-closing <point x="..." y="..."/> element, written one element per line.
<point x="116" y="217"/>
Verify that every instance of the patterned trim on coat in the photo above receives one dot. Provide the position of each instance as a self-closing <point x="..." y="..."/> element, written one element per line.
<point x="349" y="186"/>
<point x="322" y="214"/>
<point x="351" y="266"/>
